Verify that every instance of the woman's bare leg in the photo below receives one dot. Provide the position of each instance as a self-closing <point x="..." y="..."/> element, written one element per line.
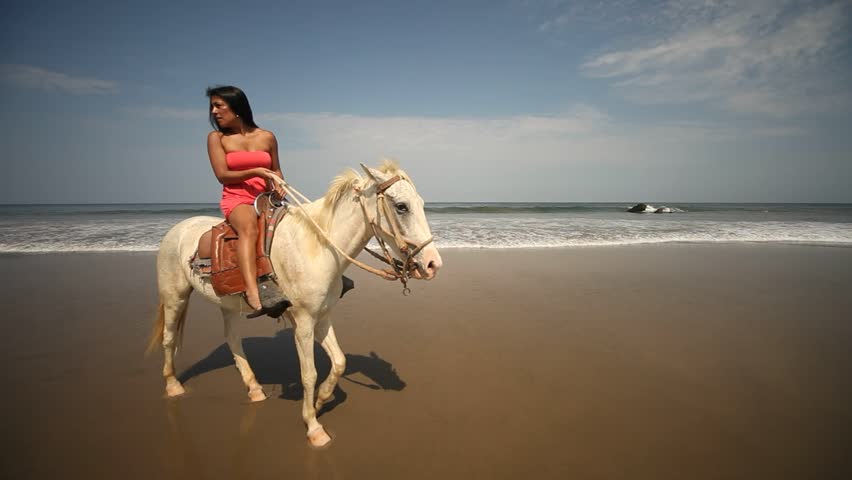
<point x="244" y="220"/>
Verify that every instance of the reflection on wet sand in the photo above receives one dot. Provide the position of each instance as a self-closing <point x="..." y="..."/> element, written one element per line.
<point x="181" y="456"/>
<point x="321" y="464"/>
<point x="182" y="459"/>
<point x="273" y="359"/>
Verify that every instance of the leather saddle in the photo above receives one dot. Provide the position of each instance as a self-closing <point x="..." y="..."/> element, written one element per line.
<point x="225" y="272"/>
<point x="221" y="242"/>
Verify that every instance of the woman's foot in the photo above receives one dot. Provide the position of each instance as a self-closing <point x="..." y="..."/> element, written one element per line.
<point x="253" y="301"/>
<point x="272" y="300"/>
<point x="275" y="310"/>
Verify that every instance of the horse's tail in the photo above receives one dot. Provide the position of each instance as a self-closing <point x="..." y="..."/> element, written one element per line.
<point x="157" y="331"/>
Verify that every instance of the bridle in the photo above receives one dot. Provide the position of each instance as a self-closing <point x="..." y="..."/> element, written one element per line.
<point x="400" y="270"/>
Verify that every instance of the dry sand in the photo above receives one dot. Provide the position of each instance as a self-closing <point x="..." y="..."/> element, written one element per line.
<point x="680" y="361"/>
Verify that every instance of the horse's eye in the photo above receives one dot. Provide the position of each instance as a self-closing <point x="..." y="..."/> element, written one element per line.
<point x="401" y="208"/>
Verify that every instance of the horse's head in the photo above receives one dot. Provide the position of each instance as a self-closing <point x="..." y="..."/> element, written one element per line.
<point x="402" y="221"/>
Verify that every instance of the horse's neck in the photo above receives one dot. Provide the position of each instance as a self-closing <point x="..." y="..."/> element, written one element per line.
<point x="348" y="228"/>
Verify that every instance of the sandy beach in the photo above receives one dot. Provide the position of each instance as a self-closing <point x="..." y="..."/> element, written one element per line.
<point x="667" y="361"/>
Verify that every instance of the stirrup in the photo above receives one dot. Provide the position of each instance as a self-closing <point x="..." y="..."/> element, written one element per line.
<point x="348" y="284"/>
<point x="272" y="301"/>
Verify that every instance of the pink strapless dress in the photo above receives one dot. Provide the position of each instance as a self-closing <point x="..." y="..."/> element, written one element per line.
<point x="246" y="191"/>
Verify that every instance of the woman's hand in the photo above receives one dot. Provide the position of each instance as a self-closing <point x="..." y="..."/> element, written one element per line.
<point x="279" y="191"/>
<point x="273" y="181"/>
<point x="265" y="174"/>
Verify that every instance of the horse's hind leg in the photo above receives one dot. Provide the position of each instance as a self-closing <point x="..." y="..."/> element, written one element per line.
<point x="174" y="313"/>
<point x="235" y="342"/>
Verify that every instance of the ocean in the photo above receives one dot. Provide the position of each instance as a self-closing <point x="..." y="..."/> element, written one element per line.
<point x="132" y="228"/>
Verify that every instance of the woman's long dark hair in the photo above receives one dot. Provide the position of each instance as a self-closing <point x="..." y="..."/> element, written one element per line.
<point x="237" y="102"/>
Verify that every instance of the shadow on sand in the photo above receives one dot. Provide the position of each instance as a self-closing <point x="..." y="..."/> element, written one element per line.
<point x="274" y="361"/>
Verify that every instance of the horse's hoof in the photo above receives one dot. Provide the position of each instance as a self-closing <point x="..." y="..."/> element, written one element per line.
<point x="257" y="395"/>
<point x="174" y="390"/>
<point x="319" y="438"/>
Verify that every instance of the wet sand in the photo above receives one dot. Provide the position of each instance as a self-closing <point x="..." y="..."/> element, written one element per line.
<point x="680" y="361"/>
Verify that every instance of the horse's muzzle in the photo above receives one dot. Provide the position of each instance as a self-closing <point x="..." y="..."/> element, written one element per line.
<point x="428" y="263"/>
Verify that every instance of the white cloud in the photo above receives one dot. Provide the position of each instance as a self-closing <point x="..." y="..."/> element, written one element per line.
<point x="437" y="132"/>
<point x="530" y="156"/>
<point x="582" y="151"/>
<point x="450" y="158"/>
<point x="581" y="125"/>
<point x="581" y="154"/>
<point x="28" y="76"/>
<point x="776" y="58"/>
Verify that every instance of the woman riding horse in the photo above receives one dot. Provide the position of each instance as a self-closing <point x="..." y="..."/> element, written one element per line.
<point x="244" y="158"/>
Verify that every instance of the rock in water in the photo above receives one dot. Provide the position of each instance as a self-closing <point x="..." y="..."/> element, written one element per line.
<point x="645" y="208"/>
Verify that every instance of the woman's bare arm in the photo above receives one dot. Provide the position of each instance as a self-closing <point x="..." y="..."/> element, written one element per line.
<point x="273" y="152"/>
<point x="276" y="167"/>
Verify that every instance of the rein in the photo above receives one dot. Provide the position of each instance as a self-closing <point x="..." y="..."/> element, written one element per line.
<point x="399" y="270"/>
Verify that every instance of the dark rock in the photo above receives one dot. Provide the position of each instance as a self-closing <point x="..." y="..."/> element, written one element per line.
<point x="638" y="208"/>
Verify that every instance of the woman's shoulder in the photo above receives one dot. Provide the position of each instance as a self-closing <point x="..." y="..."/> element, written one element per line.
<point x="265" y="134"/>
<point x="215" y="135"/>
<point x="267" y="138"/>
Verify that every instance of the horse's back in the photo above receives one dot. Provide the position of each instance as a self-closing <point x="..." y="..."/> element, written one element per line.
<point x="186" y="234"/>
<point x="178" y="245"/>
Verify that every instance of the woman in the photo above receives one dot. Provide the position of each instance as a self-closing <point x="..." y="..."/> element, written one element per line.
<point x="244" y="158"/>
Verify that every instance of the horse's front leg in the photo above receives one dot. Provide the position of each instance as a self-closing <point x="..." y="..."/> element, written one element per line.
<point x="235" y="342"/>
<point x="325" y="334"/>
<point x="304" y="335"/>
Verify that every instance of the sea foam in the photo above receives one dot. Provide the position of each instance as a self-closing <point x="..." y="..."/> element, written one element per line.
<point x="481" y="226"/>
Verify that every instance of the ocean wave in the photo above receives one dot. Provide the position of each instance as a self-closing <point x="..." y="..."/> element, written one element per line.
<point x="632" y="241"/>
<point x="113" y="230"/>
<point x="67" y="211"/>
<point x="840" y="211"/>
<point x="450" y="235"/>
<point x="520" y="208"/>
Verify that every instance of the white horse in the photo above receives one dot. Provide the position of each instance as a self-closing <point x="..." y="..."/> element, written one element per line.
<point x="309" y="272"/>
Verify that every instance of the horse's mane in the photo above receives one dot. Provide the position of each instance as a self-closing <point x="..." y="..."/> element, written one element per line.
<point x="391" y="167"/>
<point x="339" y="187"/>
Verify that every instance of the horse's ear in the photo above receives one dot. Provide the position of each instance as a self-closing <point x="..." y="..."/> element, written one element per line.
<point x="374" y="174"/>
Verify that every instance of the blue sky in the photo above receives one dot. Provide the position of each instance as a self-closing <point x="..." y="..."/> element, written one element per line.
<point x="661" y="101"/>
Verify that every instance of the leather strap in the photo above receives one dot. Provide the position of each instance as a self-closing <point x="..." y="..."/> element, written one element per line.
<point x="380" y="188"/>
